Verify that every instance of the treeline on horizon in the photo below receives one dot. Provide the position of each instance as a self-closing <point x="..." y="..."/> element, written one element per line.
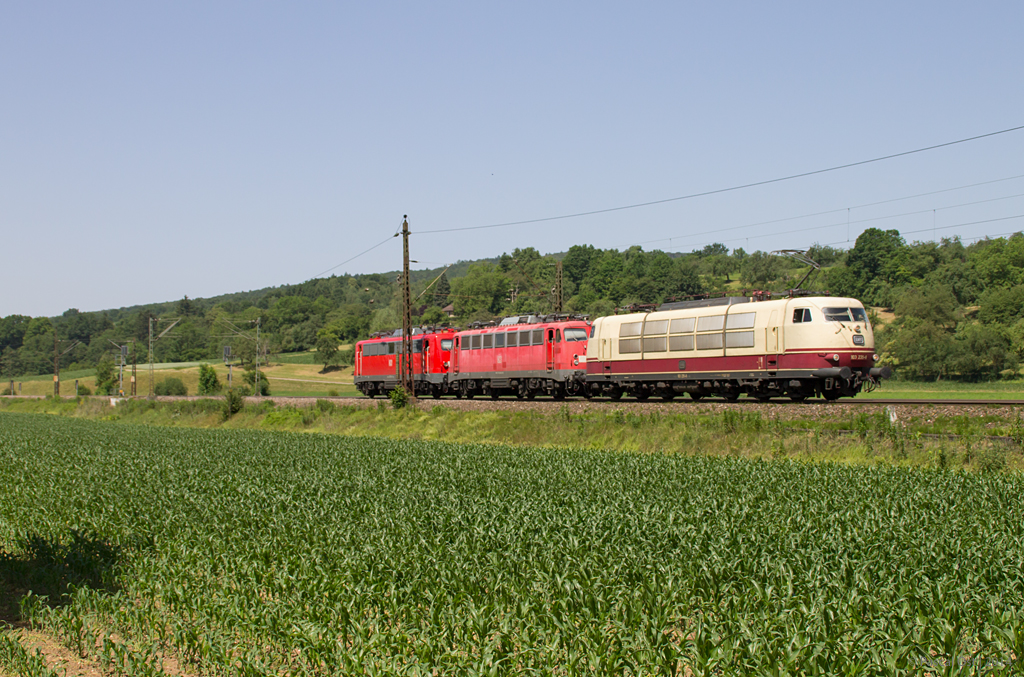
<point x="958" y="309"/>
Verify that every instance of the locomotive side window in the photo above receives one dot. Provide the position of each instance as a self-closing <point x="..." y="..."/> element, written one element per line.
<point x="655" y="328"/>
<point x="575" y="334"/>
<point x="475" y="342"/>
<point x="512" y="336"/>
<point x="859" y="315"/>
<point x="391" y="348"/>
<point x="446" y="344"/>
<point x="558" y="336"/>
<point x="802" y="315"/>
<point x="488" y="341"/>
<point x="710" y="323"/>
<point x="629" y="345"/>
<point x="499" y="340"/>
<point x="680" y="342"/>
<point x="524" y="338"/>
<point x="683" y="325"/>
<point x="417" y="346"/>
<point x="740" y="321"/>
<point x="654" y="344"/>
<point x="709" y="341"/>
<point x="538" y="337"/>
<point x="629" y="329"/>
<point x="739" y="339"/>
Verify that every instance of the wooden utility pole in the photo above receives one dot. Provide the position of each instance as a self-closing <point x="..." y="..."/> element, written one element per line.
<point x="407" y="381"/>
<point x="56" y="366"/>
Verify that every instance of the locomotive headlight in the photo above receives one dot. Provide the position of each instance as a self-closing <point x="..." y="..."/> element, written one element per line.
<point x="835" y="358"/>
<point x="857" y="328"/>
<point x="874" y="358"/>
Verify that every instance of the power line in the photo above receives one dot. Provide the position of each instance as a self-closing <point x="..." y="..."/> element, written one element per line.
<point x="725" y="190"/>
<point x="847" y="222"/>
<point x="831" y="211"/>
<point x="366" y="251"/>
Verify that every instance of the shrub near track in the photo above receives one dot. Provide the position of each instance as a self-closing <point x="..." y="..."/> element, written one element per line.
<point x="258" y="553"/>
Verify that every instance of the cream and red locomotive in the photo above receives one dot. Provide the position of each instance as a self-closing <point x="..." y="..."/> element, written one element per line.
<point x="793" y="347"/>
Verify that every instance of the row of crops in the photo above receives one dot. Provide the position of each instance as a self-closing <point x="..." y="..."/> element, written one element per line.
<point x="254" y="553"/>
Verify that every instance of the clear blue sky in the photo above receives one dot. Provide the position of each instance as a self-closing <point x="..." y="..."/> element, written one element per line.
<point x="148" y="151"/>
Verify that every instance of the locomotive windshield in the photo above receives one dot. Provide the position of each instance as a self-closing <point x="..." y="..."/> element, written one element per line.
<point x="575" y="334"/>
<point x="844" y="315"/>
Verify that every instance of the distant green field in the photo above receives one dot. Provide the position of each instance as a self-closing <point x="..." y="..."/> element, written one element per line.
<point x="953" y="390"/>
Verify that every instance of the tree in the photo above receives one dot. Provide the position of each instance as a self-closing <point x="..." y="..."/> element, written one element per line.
<point x="106" y="380"/>
<point x="441" y="291"/>
<point x="209" y="384"/>
<point x="433" y="315"/>
<point x="326" y="347"/>
<point x="878" y="255"/>
<point x="760" y="269"/>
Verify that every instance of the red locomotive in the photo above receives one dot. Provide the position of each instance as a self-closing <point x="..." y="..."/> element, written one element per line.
<point x="522" y="356"/>
<point x="379" y="361"/>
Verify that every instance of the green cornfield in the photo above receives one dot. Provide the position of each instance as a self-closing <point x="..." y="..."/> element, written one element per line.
<point x="235" y="552"/>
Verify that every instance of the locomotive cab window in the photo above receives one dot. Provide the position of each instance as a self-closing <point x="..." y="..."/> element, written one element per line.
<point x="391" y="348"/>
<point x="844" y="315"/>
<point x="575" y="334"/>
<point x="446" y="344"/>
<point x="802" y="315"/>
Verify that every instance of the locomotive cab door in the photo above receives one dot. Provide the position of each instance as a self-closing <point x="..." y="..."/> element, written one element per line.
<point x="425" y="357"/>
<point x="455" y="356"/>
<point x="549" y="350"/>
<point x="771" y="341"/>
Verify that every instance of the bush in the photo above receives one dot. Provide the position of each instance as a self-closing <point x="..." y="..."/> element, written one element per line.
<point x="232" y="403"/>
<point x="333" y="392"/>
<point x="399" y="398"/>
<point x="171" y="386"/>
<point x="83" y="390"/>
<point x="250" y="377"/>
<point x="209" y="384"/>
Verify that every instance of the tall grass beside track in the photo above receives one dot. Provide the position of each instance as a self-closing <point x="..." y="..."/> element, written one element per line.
<point x="243" y="552"/>
<point x="927" y="439"/>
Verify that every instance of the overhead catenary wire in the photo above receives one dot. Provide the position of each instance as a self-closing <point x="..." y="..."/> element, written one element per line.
<point x="724" y="190"/>
<point x="365" y="251"/>
<point x="834" y="211"/>
<point x="847" y="222"/>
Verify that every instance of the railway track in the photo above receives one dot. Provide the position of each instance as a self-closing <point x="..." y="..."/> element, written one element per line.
<point x="744" y="401"/>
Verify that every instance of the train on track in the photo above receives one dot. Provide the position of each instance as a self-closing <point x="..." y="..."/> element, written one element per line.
<point x="796" y="347"/>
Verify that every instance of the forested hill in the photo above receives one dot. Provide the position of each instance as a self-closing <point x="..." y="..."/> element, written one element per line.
<point x="952" y="310"/>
